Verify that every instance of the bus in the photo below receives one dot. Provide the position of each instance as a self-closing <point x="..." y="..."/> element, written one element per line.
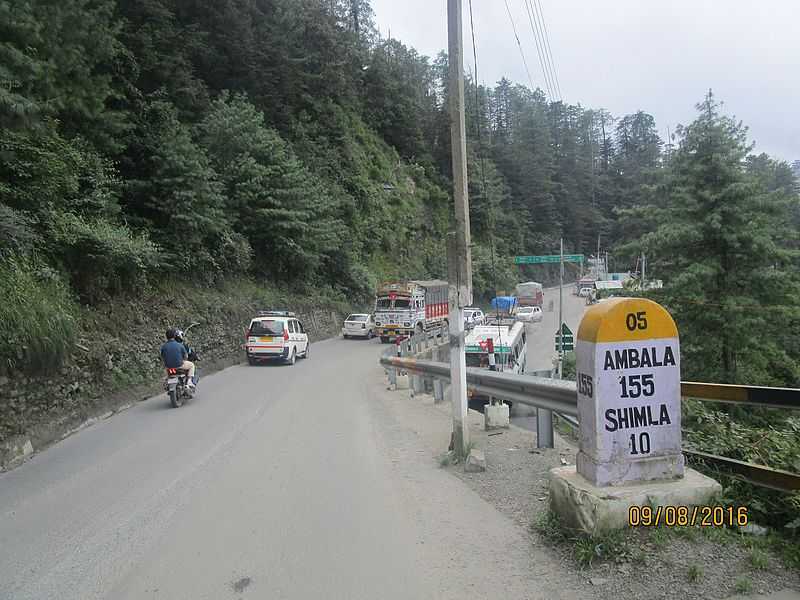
<point x="510" y="348"/>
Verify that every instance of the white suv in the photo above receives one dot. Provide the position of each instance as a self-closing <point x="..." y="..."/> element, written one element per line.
<point x="276" y="335"/>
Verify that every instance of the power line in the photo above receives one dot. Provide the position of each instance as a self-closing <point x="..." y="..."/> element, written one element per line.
<point x="540" y="30"/>
<point x="539" y="49"/>
<point x="547" y="45"/>
<point x="522" y="53"/>
<point x="481" y="162"/>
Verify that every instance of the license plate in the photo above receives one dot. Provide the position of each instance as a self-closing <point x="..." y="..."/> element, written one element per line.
<point x="172" y="380"/>
<point x="265" y="339"/>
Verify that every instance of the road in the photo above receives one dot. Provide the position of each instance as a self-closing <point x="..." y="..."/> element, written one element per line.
<point x="541" y="336"/>
<point x="541" y="343"/>
<point x="274" y="482"/>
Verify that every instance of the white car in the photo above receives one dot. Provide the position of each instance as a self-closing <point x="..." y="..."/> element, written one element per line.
<point x="529" y="314"/>
<point x="473" y="317"/>
<point x="585" y="291"/>
<point x="359" y="325"/>
<point x="276" y="335"/>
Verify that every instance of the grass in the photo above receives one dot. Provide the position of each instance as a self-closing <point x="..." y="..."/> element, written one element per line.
<point x="607" y="546"/>
<point x="461" y="454"/>
<point x="758" y="559"/>
<point x="549" y="526"/>
<point x="446" y="459"/>
<point x="659" y="536"/>
<point x="743" y="585"/>
<point x="37" y="318"/>
<point x="694" y="574"/>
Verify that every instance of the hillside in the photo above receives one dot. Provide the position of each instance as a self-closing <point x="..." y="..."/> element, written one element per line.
<point x="284" y="145"/>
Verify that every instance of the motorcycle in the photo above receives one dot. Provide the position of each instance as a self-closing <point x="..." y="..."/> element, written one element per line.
<point x="177" y="387"/>
<point x="177" y="382"/>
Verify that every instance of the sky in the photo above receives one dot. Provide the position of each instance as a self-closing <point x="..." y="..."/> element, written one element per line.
<point x="660" y="56"/>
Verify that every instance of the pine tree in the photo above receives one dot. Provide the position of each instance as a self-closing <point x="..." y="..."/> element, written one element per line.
<point x="719" y="245"/>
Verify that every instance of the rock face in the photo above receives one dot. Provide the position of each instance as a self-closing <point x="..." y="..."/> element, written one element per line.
<point x="116" y="358"/>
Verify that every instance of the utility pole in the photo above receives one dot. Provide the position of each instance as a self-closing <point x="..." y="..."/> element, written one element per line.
<point x="459" y="259"/>
<point x="644" y="260"/>
<point x="544" y="417"/>
<point x="597" y="259"/>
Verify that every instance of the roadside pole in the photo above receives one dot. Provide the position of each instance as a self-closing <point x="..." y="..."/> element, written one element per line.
<point x="459" y="261"/>
<point x="544" y="418"/>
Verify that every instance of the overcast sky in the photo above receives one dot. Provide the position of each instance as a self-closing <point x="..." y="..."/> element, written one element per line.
<point x="660" y="56"/>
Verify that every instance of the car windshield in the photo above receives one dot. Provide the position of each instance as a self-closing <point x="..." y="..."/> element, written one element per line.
<point x="266" y="328"/>
<point x="383" y="303"/>
<point x="357" y="318"/>
<point x="402" y="303"/>
<point x="525" y="310"/>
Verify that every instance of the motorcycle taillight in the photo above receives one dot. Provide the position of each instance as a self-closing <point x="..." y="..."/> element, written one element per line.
<point x="172" y="371"/>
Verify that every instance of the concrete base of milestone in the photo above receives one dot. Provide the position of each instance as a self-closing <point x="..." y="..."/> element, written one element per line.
<point x="495" y="416"/>
<point x="584" y="507"/>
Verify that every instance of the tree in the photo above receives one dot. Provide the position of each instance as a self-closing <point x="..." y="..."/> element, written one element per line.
<point x="282" y="209"/>
<point x="174" y="192"/>
<point x="719" y="244"/>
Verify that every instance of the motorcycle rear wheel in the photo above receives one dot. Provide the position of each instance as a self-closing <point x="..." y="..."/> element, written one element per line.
<point x="175" y="399"/>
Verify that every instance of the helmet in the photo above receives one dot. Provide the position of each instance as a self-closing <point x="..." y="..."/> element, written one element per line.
<point x="178" y="335"/>
<point x="170" y="333"/>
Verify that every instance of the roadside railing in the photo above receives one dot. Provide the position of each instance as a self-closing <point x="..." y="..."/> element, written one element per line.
<point x="561" y="396"/>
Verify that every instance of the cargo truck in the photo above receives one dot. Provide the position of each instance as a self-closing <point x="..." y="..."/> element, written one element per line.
<point x="529" y="294"/>
<point x="404" y="308"/>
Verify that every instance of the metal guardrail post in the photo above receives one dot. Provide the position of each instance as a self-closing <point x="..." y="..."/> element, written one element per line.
<point x="544" y="428"/>
<point x="391" y="371"/>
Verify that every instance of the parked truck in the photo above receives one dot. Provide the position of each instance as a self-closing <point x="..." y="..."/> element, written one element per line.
<point x="529" y="294"/>
<point x="403" y="308"/>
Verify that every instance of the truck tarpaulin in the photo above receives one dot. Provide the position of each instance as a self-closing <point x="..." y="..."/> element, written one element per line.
<point x="504" y="303"/>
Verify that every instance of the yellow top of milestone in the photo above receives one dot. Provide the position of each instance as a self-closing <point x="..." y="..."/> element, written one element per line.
<point x="626" y="319"/>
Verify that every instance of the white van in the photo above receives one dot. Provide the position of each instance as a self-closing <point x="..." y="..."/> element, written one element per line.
<point x="276" y="335"/>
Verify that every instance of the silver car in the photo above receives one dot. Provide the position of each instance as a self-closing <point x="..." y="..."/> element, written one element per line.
<point x="529" y="314"/>
<point x="359" y="325"/>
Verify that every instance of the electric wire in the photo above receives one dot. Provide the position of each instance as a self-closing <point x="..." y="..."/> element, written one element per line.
<point x="539" y="50"/>
<point x="547" y="45"/>
<point x="482" y="164"/>
<point x="519" y="45"/>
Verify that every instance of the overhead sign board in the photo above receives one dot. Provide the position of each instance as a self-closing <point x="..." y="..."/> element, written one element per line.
<point x="547" y="258"/>
<point x="629" y="398"/>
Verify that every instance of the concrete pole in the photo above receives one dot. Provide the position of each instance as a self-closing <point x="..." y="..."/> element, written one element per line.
<point x="644" y="259"/>
<point x="459" y="254"/>
<point x="544" y="417"/>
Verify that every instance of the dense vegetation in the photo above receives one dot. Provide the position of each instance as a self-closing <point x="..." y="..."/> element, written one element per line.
<point x="286" y="142"/>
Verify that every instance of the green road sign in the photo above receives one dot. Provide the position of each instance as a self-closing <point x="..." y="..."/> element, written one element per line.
<point x="547" y="258"/>
<point x="569" y="339"/>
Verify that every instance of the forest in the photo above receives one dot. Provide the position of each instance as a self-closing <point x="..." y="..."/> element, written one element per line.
<point x="287" y="142"/>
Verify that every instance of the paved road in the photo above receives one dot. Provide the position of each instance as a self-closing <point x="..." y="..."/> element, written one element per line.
<point x="275" y="482"/>
<point x="541" y="343"/>
<point x="541" y="336"/>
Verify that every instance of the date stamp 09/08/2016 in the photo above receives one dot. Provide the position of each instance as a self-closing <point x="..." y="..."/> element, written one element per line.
<point x="688" y="516"/>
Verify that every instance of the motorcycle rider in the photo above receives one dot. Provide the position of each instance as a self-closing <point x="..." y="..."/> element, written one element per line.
<point x="174" y="355"/>
<point x="190" y="352"/>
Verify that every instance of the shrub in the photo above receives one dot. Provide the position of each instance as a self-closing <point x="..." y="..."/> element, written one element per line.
<point x="37" y="317"/>
<point x="103" y="257"/>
